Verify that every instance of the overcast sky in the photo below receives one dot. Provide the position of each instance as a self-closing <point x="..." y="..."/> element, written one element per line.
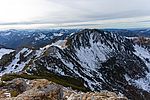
<point x="74" y="13"/>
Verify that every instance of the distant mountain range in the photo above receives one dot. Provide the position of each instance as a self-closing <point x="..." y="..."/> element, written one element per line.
<point x="32" y="38"/>
<point x="131" y="32"/>
<point x="39" y="38"/>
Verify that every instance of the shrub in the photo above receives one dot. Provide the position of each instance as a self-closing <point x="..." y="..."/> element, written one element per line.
<point x="14" y="93"/>
<point x="63" y="80"/>
<point x="2" y="84"/>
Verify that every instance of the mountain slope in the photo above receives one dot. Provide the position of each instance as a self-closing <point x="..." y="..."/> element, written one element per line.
<point x="102" y="60"/>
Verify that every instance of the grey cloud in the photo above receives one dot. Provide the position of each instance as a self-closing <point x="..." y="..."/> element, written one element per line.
<point x="71" y="11"/>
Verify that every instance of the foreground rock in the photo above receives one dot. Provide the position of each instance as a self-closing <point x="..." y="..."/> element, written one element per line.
<point x="105" y="95"/>
<point x="42" y="89"/>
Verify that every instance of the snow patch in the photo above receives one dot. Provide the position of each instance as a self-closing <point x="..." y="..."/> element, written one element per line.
<point x="58" y="34"/>
<point x="144" y="54"/>
<point x="142" y="83"/>
<point x="60" y="43"/>
<point x="4" y="51"/>
<point x="42" y="36"/>
<point x="14" y="66"/>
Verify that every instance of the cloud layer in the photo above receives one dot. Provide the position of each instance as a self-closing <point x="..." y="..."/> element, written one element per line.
<point x="65" y="13"/>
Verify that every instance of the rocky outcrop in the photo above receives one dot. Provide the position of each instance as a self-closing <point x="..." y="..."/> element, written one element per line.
<point x="39" y="89"/>
<point x="104" y="95"/>
<point x="42" y="89"/>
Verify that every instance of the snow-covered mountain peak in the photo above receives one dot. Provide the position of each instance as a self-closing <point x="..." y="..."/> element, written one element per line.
<point x="89" y="37"/>
<point x="101" y="59"/>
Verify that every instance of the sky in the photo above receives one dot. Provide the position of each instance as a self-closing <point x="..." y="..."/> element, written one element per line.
<point x="74" y="14"/>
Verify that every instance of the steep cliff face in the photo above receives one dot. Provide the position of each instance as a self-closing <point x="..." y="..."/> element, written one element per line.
<point x="102" y="60"/>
